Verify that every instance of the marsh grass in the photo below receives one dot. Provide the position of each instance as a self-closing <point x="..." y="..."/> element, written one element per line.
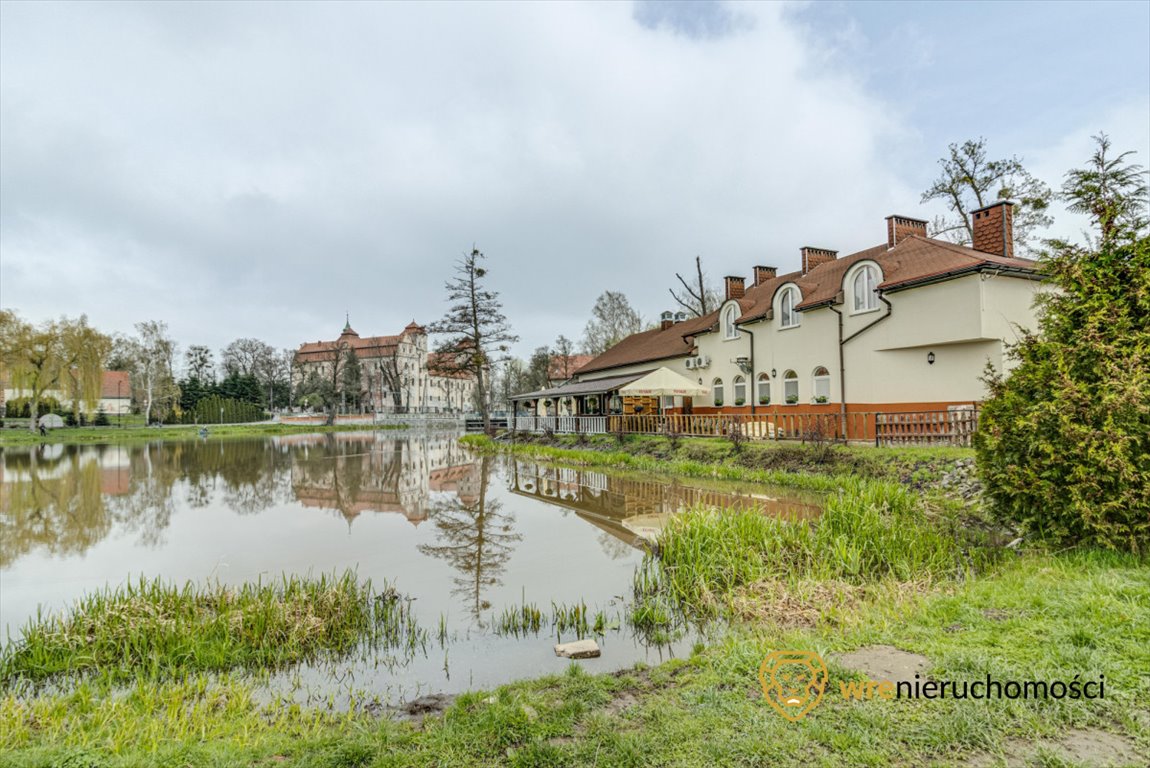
<point x="158" y="630"/>
<point x="869" y="531"/>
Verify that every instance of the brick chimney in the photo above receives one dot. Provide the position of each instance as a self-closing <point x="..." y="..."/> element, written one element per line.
<point x="994" y="228"/>
<point x="666" y="321"/>
<point x="900" y="227"/>
<point x="734" y="286"/>
<point x="763" y="274"/>
<point x="812" y="257"/>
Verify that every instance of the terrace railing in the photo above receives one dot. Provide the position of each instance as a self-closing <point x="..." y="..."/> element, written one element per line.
<point x="953" y="427"/>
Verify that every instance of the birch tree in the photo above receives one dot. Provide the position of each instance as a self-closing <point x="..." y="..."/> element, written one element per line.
<point x="152" y="354"/>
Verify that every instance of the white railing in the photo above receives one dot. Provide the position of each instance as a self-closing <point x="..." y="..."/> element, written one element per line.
<point x="590" y="425"/>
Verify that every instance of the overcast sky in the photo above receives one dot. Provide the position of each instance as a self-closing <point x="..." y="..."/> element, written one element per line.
<point x="259" y="169"/>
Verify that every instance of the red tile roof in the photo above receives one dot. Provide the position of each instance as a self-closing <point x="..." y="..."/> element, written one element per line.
<point x="115" y="384"/>
<point x="914" y="260"/>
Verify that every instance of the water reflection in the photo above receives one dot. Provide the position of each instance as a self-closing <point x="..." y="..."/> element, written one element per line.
<point x="476" y="536"/>
<point x="465" y="537"/>
<point x="634" y="508"/>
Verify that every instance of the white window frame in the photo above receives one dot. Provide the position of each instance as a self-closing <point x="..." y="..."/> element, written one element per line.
<point x="792" y="379"/>
<point x="730" y="330"/>
<point x="764" y="381"/>
<point x="870" y="298"/>
<point x="717" y="392"/>
<point x="788" y="294"/>
<point x="739" y="382"/>
<point x="820" y="381"/>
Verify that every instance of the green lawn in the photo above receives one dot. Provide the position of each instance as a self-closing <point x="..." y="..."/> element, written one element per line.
<point x="1034" y="617"/>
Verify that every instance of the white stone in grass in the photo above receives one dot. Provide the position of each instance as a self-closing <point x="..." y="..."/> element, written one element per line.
<point x="580" y="649"/>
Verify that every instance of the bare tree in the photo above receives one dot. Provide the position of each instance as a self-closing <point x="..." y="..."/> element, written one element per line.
<point x="697" y="297"/>
<point x="325" y="381"/>
<point x="564" y="352"/>
<point x="969" y="181"/>
<point x="199" y="363"/>
<point x="476" y="329"/>
<point x="152" y="353"/>
<point x="247" y="357"/>
<point x="612" y="320"/>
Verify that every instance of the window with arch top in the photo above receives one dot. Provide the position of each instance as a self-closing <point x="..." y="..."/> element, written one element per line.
<point x="717" y="392"/>
<point x="740" y="387"/>
<point x="788" y="315"/>
<point x="790" y="387"/>
<point x="821" y="385"/>
<point x="764" y="393"/>
<point x="865" y="289"/>
<point x="730" y="315"/>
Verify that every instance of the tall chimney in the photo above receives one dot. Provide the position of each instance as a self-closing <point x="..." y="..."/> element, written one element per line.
<point x="994" y="228"/>
<point x="812" y="257"/>
<point x="763" y="274"/>
<point x="901" y="227"/>
<point x="735" y="288"/>
<point x="665" y="321"/>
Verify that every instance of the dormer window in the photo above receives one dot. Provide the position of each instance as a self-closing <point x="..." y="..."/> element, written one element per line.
<point x="788" y="316"/>
<point x="865" y="289"/>
<point x="730" y="315"/>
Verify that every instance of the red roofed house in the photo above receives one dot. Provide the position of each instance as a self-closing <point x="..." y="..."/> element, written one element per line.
<point x="907" y="325"/>
<point x="399" y="374"/>
<point x="115" y="394"/>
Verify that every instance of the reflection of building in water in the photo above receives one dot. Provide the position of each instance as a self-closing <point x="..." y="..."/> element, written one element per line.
<point x="635" y="509"/>
<point x="354" y="473"/>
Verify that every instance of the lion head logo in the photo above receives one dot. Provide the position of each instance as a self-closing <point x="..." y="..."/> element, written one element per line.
<point x="793" y="682"/>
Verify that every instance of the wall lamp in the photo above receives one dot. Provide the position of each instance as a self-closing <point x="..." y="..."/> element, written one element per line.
<point x="930" y="358"/>
<point x="774" y="373"/>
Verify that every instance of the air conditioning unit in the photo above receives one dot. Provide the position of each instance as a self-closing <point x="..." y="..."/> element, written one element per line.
<point x="690" y="363"/>
<point x="702" y="361"/>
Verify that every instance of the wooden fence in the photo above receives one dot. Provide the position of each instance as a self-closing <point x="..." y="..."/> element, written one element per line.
<point x="910" y="428"/>
<point x="953" y="427"/>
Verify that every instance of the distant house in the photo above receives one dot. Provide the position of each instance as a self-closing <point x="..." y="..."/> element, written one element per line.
<point x="906" y="325"/>
<point x="399" y="374"/>
<point x="563" y="367"/>
<point x="115" y="394"/>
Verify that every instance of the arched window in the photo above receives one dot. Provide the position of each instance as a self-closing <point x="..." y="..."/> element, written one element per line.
<point x="791" y="387"/>
<point x="740" y="387"/>
<point x="821" y="385"/>
<point x="730" y="315"/>
<point x="717" y="392"/>
<point x="865" y="289"/>
<point x="788" y="317"/>
<point x="764" y="393"/>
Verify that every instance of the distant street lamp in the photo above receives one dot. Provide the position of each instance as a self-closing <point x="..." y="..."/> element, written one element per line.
<point x="119" y="405"/>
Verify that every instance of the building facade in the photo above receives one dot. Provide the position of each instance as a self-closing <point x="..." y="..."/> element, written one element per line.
<point x="907" y="325"/>
<point x="398" y="373"/>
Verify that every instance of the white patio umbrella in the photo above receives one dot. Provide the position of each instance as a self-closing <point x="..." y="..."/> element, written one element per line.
<point x="663" y="382"/>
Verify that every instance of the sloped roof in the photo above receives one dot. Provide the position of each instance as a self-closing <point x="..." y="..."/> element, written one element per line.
<point x="914" y="260"/>
<point x="556" y="369"/>
<point x="591" y="387"/>
<point x="654" y="344"/>
<point x="115" y="384"/>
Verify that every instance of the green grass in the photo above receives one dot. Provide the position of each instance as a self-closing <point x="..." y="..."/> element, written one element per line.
<point x="1031" y="617"/>
<point x="155" y="630"/>
<point x="75" y="435"/>
<point x="868" y="531"/>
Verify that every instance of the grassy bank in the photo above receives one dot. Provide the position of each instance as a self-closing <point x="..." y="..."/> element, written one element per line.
<point x="154" y="630"/>
<point x="1034" y="617"/>
<point x="798" y="465"/>
<point x="78" y="435"/>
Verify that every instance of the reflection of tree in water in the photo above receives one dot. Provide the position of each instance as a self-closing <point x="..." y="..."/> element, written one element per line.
<point x="65" y="499"/>
<point x="476" y="537"/>
<point x="52" y="503"/>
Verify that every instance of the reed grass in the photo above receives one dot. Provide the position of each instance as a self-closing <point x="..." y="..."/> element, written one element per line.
<point x="155" y="629"/>
<point x="868" y="531"/>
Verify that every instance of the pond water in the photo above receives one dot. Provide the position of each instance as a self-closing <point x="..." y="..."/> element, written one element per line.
<point x="467" y="537"/>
